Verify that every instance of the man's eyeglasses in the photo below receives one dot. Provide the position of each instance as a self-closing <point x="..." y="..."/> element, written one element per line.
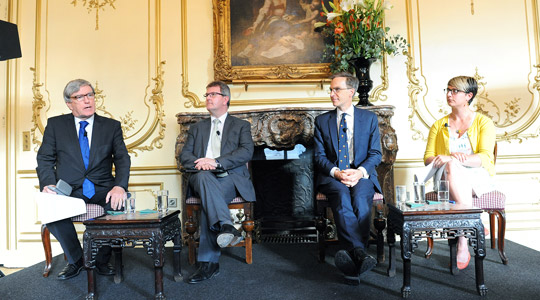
<point x="336" y="90"/>
<point x="212" y="94"/>
<point x="453" y="91"/>
<point x="90" y="96"/>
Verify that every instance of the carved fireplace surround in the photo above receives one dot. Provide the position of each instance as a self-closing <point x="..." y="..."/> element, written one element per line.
<point x="283" y="128"/>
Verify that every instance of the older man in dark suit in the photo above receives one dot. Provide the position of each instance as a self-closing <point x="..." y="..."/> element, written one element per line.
<point x="347" y="150"/>
<point x="217" y="149"/>
<point x="81" y="149"/>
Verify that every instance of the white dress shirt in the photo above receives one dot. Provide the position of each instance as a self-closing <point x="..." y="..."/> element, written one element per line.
<point x="209" y="153"/>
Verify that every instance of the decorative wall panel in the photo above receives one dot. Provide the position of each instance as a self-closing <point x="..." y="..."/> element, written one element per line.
<point x="451" y="38"/>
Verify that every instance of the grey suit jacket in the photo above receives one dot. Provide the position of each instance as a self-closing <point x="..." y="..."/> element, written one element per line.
<point x="236" y="151"/>
<point x="59" y="156"/>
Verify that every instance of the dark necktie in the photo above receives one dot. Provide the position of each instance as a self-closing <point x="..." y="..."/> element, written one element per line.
<point x="343" y="147"/>
<point x="88" y="187"/>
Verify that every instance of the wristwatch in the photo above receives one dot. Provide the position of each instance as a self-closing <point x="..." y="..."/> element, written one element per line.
<point x="218" y="166"/>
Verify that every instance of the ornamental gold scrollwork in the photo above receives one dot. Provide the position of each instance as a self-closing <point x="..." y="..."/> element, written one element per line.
<point x="138" y="138"/>
<point x="95" y="5"/>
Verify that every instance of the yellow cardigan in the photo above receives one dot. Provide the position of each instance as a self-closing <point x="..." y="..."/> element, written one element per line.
<point x="481" y="134"/>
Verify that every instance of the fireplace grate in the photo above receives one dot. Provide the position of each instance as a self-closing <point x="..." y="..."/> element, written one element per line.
<point x="288" y="238"/>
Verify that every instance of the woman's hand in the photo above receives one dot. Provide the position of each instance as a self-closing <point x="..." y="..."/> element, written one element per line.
<point x="440" y="160"/>
<point x="461" y="157"/>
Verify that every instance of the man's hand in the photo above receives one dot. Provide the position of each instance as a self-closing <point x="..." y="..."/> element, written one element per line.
<point x="205" y="164"/>
<point x="49" y="191"/>
<point x="349" y="177"/>
<point x="116" y="196"/>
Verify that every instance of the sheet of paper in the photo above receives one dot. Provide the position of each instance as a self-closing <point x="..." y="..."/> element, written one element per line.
<point x="56" y="207"/>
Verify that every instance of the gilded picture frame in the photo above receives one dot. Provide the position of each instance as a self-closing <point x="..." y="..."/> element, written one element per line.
<point x="268" y="40"/>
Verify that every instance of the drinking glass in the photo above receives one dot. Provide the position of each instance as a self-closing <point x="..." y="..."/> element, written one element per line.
<point x="401" y="195"/>
<point x="419" y="192"/>
<point x="129" y="203"/>
<point x="162" y="201"/>
<point x="444" y="191"/>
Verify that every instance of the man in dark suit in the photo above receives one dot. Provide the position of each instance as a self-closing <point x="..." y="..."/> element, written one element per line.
<point x="347" y="150"/>
<point x="81" y="148"/>
<point x="217" y="149"/>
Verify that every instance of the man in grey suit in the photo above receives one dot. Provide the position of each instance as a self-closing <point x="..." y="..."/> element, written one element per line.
<point x="216" y="152"/>
<point x="81" y="149"/>
<point x="347" y="150"/>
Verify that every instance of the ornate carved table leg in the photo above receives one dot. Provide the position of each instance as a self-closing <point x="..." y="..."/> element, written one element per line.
<point x="92" y="295"/>
<point x="89" y="252"/>
<point x="119" y="276"/>
<point x="159" y="283"/>
<point x="406" y="254"/>
<point x="176" y="258"/>
<point x="391" y="240"/>
<point x="480" y="254"/>
<point x="453" y="256"/>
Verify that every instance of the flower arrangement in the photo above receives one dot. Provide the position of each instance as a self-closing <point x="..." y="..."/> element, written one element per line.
<point x="357" y="30"/>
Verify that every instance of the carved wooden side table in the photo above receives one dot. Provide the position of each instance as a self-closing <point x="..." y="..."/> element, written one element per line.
<point x="438" y="222"/>
<point x="151" y="231"/>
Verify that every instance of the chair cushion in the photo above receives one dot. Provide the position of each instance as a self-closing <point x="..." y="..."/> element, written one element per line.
<point x="92" y="211"/>
<point x="491" y="200"/>
<point x="197" y="201"/>
<point x="376" y="198"/>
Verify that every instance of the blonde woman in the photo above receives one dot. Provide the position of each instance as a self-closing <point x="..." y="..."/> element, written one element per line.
<point x="462" y="144"/>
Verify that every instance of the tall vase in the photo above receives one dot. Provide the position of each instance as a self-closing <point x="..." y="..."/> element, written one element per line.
<point x="361" y="66"/>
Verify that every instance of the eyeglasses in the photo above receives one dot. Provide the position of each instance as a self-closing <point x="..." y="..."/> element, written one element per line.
<point x="79" y="98"/>
<point x="336" y="90"/>
<point x="453" y="91"/>
<point x="212" y="94"/>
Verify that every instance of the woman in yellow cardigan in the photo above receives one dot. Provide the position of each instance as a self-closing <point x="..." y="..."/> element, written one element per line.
<point x="462" y="143"/>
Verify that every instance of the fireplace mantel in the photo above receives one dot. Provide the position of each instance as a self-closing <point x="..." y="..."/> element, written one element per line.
<point x="283" y="128"/>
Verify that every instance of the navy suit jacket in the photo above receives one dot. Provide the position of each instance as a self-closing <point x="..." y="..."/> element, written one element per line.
<point x="236" y="151"/>
<point x="367" y="144"/>
<point x="59" y="156"/>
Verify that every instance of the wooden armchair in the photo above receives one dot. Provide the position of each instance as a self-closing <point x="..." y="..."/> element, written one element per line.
<point x="92" y="211"/>
<point x="323" y="223"/>
<point x="193" y="204"/>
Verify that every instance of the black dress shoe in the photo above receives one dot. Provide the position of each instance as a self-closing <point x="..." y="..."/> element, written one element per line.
<point x="106" y="269"/>
<point x="364" y="261"/>
<point x="345" y="263"/>
<point x="71" y="270"/>
<point x="228" y="235"/>
<point x="205" y="271"/>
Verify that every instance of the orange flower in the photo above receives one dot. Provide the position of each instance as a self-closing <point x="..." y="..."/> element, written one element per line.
<point x="338" y="30"/>
<point x="322" y="14"/>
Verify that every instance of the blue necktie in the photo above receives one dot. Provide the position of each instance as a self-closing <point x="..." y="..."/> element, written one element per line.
<point x="343" y="147"/>
<point x="88" y="187"/>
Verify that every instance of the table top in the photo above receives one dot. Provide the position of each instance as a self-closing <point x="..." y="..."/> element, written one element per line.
<point x="435" y="209"/>
<point x="136" y="218"/>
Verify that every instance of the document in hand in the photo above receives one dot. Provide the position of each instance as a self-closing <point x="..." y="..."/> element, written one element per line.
<point x="425" y="173"/>
<point x="56" y="207"/>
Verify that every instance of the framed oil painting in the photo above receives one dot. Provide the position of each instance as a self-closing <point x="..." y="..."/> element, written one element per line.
<point x="268" y="40"/>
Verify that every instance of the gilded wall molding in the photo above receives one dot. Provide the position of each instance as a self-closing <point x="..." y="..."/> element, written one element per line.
<point x="513" y="116"/>
<point x="139" y="135"/>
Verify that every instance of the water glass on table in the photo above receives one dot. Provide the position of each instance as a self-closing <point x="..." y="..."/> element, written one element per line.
<point x="443" y="193"/>
<point x="129" y="203"/>
<point x="401" y="196"/>
<point x="162" y="201"/>
<point x="420" y="192"/>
